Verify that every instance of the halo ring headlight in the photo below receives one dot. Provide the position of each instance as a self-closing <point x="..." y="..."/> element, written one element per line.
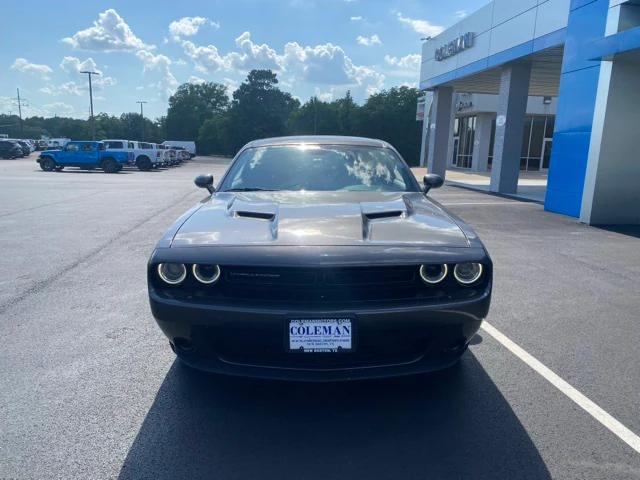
<point x="208" y="276"/>
<point x="433" y="278"/>
<point x="467" y="273"/>
<point x="172" y="273"/>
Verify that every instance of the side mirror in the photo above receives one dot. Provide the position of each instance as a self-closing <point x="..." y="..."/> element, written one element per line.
<point x="205" y="181"/>
<point x="431" y="180"/>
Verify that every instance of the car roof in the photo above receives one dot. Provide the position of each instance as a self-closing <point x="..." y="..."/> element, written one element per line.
<point x="318" y="140"/>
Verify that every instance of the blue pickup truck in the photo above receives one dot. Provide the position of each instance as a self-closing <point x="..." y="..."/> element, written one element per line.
<point x="85" y="155"/>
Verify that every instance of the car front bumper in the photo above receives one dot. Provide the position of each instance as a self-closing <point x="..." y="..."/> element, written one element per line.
<point x="388" y="341"/>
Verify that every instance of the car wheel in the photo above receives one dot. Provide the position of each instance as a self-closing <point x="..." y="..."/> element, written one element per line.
<point x="109" y="165"/>
<point x="47" y="164"/>
<point x="144" y="163"/>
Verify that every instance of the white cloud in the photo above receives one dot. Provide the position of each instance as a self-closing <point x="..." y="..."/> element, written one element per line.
<point x="59" y="108"/>
<point x="252" y="55"/>
<point x="422" y="27"/>
<point x="459" y="14"/>
<point x="109" y="33"/>
<point x="325" y="64"/>
<point x="25" y="66"/>
<point x="189" y="26"/>
<point x="196" y="80"/>
<point x="356" y="18"/>
<point x="368" y="41"/>
<point x="161" y="63"/>
<point x="74" y="65"/>
<point x="409" y="65"/>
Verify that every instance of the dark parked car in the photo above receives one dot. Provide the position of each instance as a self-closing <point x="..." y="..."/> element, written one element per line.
<point x="26" y="149"/>
<point x="319" y="258"/>
<point x="10" y="149"/>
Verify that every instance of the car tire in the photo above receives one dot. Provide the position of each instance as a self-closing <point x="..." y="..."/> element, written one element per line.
<point x="109" y="165"/>
<point x="144" y="163"/>
<point x="47" y="164"/>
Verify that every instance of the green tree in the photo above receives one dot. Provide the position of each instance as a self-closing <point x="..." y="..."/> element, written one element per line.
<point x="191" y="106"/>
<point x="259" y="109"/>
<point x="391" y="115"/>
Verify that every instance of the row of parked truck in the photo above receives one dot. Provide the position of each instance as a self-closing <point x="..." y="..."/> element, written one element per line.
<point x="112" y="155"/>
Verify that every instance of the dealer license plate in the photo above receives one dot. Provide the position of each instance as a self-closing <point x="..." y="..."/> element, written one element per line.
<point x="320" y="335"/>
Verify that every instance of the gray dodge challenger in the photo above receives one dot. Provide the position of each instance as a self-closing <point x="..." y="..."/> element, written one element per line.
<point x="319" y="258"/>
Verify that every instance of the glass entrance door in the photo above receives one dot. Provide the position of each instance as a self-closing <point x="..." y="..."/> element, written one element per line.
<point x="546" y="153"/>
<point x="456" y="145"/>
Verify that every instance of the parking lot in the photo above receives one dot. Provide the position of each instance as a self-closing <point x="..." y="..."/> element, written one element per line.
<point x="90" y="388"/>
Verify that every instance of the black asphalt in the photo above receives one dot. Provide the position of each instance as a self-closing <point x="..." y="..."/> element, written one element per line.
<point x="90" y="389"/>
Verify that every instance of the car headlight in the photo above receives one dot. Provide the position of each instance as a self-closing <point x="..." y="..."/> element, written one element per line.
<point x="172" y="273"/>
<point x="467" y="273"/>
<point x="433" y="274"/>
<point x="207" y="274"/>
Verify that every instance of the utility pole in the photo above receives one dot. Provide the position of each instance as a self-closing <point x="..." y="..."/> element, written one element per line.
<point x="142" y="117"/>
<point x="20" y="113"/>
<point x="93" y="126"/>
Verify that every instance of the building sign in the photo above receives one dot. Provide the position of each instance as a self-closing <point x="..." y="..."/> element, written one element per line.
<point x="455" y="46"/>
<point x="464" y="101"/>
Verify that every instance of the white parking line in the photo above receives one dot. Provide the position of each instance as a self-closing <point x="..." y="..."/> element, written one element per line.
<point x="622" y="432"/>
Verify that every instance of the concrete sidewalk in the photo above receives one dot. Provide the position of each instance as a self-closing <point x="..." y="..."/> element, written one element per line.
<point x="531" y="186"/>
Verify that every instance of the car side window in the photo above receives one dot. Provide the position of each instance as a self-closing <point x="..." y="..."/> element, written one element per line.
<point x="86" y="147"/>
<point x="72" y="147"/>
<point x="114" y="145"/>
<point x="131" y="145"/>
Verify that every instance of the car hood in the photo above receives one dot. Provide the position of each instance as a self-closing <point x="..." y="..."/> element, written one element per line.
<point x="320" y="218"/>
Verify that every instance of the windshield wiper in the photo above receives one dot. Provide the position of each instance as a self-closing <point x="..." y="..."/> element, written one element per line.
<point x="250" y="189"/>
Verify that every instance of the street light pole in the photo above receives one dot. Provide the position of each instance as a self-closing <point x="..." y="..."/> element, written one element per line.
<point x="142" y="117"/>
<point x="93" y="126"/>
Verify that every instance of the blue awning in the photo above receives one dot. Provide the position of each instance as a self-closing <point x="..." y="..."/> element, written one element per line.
<point x="608" y="47"/>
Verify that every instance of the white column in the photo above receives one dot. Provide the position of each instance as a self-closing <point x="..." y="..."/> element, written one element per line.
<point x="512" y="108"/>
<point x="481" y="143"/>
<point x="611" y="192"/>
<point x="440" y="130"/>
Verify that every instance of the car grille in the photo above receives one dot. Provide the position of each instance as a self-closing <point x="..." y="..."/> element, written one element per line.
<point x="320" y="285"/>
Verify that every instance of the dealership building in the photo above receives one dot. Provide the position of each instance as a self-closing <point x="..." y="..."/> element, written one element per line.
<point x="541" y="86"/>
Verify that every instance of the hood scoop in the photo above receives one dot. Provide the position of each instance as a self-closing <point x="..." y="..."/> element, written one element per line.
<point x="383" y="214"/>
<point x="257" y="210"/>
<point x="258" y="215"/>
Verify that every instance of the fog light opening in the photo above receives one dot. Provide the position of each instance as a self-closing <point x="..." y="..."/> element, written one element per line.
<point x="182" y="345"/>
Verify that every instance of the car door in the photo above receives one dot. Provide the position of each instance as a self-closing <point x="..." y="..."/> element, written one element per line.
<point x="68" y="154"/>
<point x="88" y="154"/>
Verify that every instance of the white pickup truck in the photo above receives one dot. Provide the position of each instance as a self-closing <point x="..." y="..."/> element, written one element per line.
<point x="145" y="155"/>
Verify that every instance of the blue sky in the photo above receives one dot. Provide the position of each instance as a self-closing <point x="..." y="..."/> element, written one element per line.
<point x="145" y="49"/>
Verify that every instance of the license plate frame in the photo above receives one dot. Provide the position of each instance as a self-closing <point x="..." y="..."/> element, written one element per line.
<point x="320" y="342"/>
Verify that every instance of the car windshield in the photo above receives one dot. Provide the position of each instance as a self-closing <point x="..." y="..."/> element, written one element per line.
<point x="320" y="168"/>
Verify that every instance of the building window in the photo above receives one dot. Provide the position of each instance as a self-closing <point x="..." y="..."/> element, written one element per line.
<point x="536" y="145"/>
<point x="464" y="130"/>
